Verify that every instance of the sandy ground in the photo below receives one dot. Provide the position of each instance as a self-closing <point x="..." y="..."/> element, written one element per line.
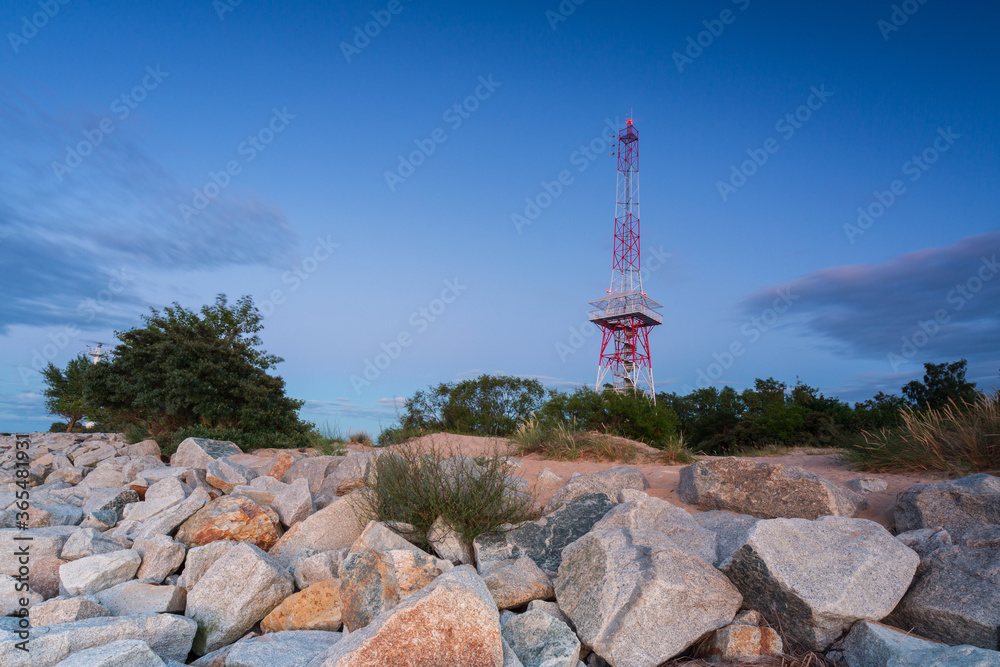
<point x="663" y="479"/>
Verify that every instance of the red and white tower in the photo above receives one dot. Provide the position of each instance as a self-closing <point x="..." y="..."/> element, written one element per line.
<point x="626" y="314"/>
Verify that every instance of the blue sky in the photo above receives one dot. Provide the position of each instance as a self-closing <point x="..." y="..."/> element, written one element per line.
<point x="818" y="187"/>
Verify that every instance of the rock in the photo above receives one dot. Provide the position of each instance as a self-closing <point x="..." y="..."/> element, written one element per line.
<point x="280" y="649"/>
<point x="867" y="484"/>
<point x="168" y="635"/>
<point x="814" y="579"/>
<point x="43" y="577"/>
<point x="925" y="540"/>
<point x="309" y="570"/>
<point x="739" y="642"/>
<point x="199" y="559"/>
<point x="548" y="477"/>
<point x="88" y="542"/>
<point x="142" y="597"/>
<point x="956" y="599"/>
<point x="957" y="506"/>
<point x="550" y="608"/>
<point x="95" y="573"/>
<point x="294" y="503"/>
<point x="672" y="522"/>
<point x="615" y="584"/>
<point x="47" y="541"/>
<point x="333" y="527"/>
<point x="625" y="495"/>
<point x="609" y="482"/>
<point x="13" y="599"/>
<point x="66" y="610"/>
<point x="102" y="520"/>
<point x="316" y="608"/>
<point x="871" y="644"/>
<point x="516" y="582"/>
<point x="102" y="478"/>
<point x="543" y="540"/>
<point x="539" y="640"/>
<point x="161" y="557"/>
<point x="165" y="522"/>
<point x="224" y="474"/>
<point x="231" y="518"/>
<point x="313" y="469"/>
<point x="282" y="464"/>
<point x="510" y="658"/>
<point x="262" y="497"/>
<point x="767" y="490"/>
<point x="122" y="653"/>
<point x="199" y="452"/>
<point x="144" y="448"/>
<point x="731" y="530"/>
<point x="372" y="582"/>
<point x="377" y="536"/>
<point x="947" y="656"/>
<point x="41" y="515"/>
<point x="109" y="500"/>
<point x="237" y="591"/>
<point x="447" y="544"/>
<point x="453" y="622"/>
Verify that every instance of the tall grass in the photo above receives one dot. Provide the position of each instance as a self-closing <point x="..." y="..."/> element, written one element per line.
<point x="416" y="484"/>
<point x="959" y="438"/>
<point x="568" y="442"/>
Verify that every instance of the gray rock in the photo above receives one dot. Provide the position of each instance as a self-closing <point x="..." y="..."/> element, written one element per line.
<point x="313" y="469"/>
<point x="161" y="557"/>
<point x="95" y="573"/>
<point x="169" y="488"/>
<point x="121" y="653"/>
<point x="814" y="579"/>
<point x="88" y="542"/>
<point x="947" y="656"/>
<point x="766" y="490"/>
<point x="168" y="635"/>
<point x="539" y="640"/>
<point x="199" y="452"/>
<point x="199" y="559"/>
<point x="281" y="649"/>
<point x="510" y="658"/>
<point x="925" y="540"/>
<point x="109" y="500"/>
<point x="516" y="582"/>
<point x="615" y="584"/>
<point x="379" y="537"/>
<point x="956" y="599"/>
<point x="101" y="520"/>
<point x="672" y="522"/>
<point x="867" y="484"/>
<point x="167" y="521"/>
<point x="146" y="448"/>
<point x="958" y="506"/>
<point x="13" y="597"/>
<point x="550" y="608"/>
<point x="66" y="610"/>
<point x="225" y="474"/>
<point x="142" y="597"/>
<point x="236" y="592"/>
<point x="871" y="644"/>
<point x="333" y="527"/>
<point x="731" y="530"/>
<point x="102" y="478"/>
<point x="309" y="570"/>
<point x="447" y="544"/>
<point x="41" y="515"/>
<point x="543" y="540"/>
<point x="609" y="482"/>
<point x="47" y="541"/>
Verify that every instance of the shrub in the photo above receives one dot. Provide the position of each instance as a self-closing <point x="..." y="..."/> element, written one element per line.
<point x="416" y="485"/>
<point x="958" y="438"/>
<point x="630" y="415"/>
<point x="361" y="438"/>
<point x="490" y="405"/>
<point x="245" y="439"/>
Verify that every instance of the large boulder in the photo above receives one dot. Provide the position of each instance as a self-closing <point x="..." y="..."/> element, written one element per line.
<point x="199" y="452"/>
<point x="635" y="599"/>
<point x="161" y="557"/>
<point x="121" y="653"/>
<point x="280" y="649"/>
<point x="226" y="474"/>
<point x="956" y="599"/>
<point x="199" y="559"/>
<point x="814" y="579"/>
<point x="44" y="542"/>
<point x="539" y="640"/>
<point x="452" y="622"/>
<point x="168" y="635"/>
<point x="871" y="644"/>
<point x="66" y="610"/>
<point x="231" y="518"/>
<point x="14" y="596"/>
<point x="731" y="530"/>
<point x="957" y="506"/>
<point x="309" y="570"/>
<point x="142" y="597"/>
<point x="543" y="540"/>
<point x="947" y="656"/>
<point x="316" y="608"/>
<point x="609" y="482"/>
<point x="167" y="520"/>
<point x="293" y="503"/>
<point x="517" y="582"/>
<point x="672" y="522"/>
<point x="766" y="490"/>
<point x="237" y="591"/>
<point x="334" y="527"/>
<point x="95" y="573"/>
<point x="88" y="542"/>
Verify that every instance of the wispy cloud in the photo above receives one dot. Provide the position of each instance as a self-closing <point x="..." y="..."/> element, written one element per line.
<point x="345" y="408"/>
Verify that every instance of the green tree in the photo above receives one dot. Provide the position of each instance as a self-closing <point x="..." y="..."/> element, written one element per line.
<point x="198" y="370"/>
<point x="942" y="383"/>
<point x="64" y="395"/>
<point x="487" y="405"/>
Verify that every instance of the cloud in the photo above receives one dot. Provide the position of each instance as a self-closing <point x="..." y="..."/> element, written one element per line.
<point x="344" y="408"/>
<point x="394" y="403"/>
<point x="61" y="239"/>
<point x="933" y="304"/>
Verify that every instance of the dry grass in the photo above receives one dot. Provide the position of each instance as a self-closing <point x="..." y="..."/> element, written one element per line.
<point x="958" y="438"/>
<point x="805" y="660"/>
<point x="565" y="442"/>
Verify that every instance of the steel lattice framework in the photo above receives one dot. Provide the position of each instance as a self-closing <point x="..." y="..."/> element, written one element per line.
<point x="626" y="314"/>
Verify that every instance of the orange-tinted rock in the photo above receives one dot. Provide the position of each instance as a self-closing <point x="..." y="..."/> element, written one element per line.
<point x="140" y="489"/>
<point x="231" y="518"/>
<point x="739" y="642"/>
<point x="43" y="576"/>
<point x="281" y="465"/>
<point x="316" y="608"/>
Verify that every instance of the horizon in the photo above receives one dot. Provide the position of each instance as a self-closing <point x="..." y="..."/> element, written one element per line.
<point x="415" y="195"/>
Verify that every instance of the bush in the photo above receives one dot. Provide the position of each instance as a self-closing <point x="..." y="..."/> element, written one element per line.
<point x="490" y="405"/>
<point x="361" y="438"/>
<point x="630" y="415"/>
<point x="246" y="440"/>
<point x="416" y="485"/>
<point x="960" y="438"/>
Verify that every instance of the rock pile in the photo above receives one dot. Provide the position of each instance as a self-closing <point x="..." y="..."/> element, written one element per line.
<point x="224" y="559"/>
